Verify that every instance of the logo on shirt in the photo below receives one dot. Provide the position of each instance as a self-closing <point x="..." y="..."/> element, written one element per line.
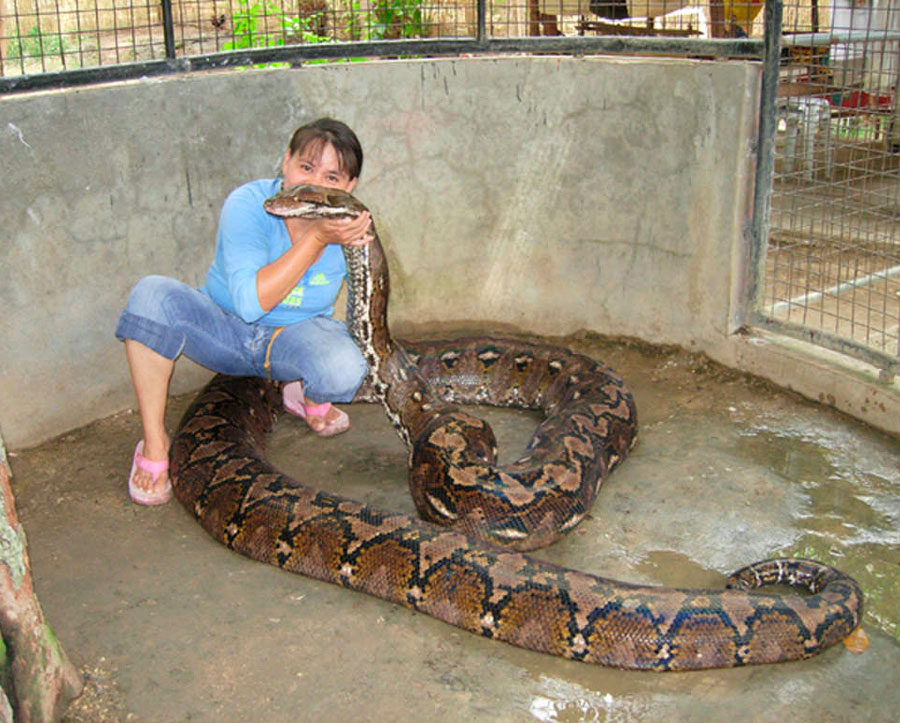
<point x="295" y="298"/>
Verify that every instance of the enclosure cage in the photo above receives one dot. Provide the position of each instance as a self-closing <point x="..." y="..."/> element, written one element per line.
<point x="39" y="37"/>
<point x="832" y="272"/>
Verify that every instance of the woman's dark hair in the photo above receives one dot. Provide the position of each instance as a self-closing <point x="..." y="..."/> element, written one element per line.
<point x="313" y="136"/>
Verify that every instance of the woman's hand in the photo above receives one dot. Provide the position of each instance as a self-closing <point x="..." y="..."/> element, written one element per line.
<point x="309" y="238"/>
<point x="348" y="231"/>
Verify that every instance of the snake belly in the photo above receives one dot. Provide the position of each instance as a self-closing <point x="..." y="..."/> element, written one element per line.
<point x="469" y="569"/>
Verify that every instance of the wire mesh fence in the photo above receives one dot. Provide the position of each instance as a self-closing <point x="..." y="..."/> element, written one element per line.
<point x="833" y="261"/>
<point x="40" y="36"/>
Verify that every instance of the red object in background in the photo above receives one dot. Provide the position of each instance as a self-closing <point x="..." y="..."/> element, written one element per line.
<point x="861" y="99"/>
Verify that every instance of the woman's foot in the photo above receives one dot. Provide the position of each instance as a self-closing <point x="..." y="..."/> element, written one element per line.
<point x="148" y="483"/>
<point x="323" y="419"/>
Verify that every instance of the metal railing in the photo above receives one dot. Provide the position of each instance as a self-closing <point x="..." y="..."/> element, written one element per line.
<point x="80" y="41"/>
<point x="830" y="272"/>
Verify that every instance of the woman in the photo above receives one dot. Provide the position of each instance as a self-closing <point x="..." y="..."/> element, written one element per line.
<point x="265" y="309"/>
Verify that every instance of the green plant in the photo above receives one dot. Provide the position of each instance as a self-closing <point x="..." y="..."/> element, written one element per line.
<point x="354" y="21"/>
<point x="399" y="19"/>
<point x="249" y="23"/>
<point x="394" y="19"/>
<point x="386" y="20"/>
<point x="250" y="26"/>
<point x="14" y="48"/>
<point x="35" y="45"/>
<point x="304" y="29"/>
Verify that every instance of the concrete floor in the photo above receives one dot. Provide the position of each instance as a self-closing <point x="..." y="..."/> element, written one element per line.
<point x="168" y="625"/>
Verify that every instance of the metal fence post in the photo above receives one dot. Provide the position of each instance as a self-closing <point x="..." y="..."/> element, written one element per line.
<point x="481" y="6"/>
<point x="765" y="155"/>
<point x="168" y="28"/>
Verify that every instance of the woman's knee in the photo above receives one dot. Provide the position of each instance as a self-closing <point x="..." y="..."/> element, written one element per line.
<point x="320" y="352"/>
<point x="330" y="373"/>
<point x="146" y="318"/>
<point x="344" y="374"/>
<point x="149" y="297"/>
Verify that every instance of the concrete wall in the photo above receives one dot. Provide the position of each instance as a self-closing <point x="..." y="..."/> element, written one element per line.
<point x="543" y="194"/>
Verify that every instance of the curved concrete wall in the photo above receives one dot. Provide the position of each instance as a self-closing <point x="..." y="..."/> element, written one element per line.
<point x="543" y="194"/>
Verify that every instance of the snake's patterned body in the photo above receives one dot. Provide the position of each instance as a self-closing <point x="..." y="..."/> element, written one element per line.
<point x="463" y="575"/>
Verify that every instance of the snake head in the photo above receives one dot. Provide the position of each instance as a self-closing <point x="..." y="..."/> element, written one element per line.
<point x="308" y="201"/>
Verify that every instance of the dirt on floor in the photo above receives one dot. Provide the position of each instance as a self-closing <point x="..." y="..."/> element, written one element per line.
<point x="168" y="625"/>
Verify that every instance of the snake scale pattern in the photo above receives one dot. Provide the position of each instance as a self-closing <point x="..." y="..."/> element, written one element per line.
<point x="469" y="569"/>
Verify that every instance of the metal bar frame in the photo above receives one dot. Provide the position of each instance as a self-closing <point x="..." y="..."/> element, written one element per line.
<point x="758" y="233"/>
<point x="838" y="36"/>
<point x="710" y="48"/>
<point x="168" y="28"/>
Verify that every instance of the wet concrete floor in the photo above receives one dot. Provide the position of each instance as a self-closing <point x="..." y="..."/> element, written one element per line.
<point x="169" y="625"/>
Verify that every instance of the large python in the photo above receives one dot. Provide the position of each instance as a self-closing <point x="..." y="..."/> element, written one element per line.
<point x="474" y="574"/>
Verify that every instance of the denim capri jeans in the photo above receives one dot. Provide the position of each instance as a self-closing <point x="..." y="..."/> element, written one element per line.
<point x="173" y="318"/>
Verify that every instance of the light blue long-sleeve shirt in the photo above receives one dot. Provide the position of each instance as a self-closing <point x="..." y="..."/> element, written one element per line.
<point x="250" y="238"/>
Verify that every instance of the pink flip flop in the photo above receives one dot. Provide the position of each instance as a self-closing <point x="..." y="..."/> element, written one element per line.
<point x="153" y="468"/>
<point x="295" y="403"/>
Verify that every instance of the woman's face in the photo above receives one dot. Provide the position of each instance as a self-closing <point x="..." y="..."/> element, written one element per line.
<point x="324" y="170"/>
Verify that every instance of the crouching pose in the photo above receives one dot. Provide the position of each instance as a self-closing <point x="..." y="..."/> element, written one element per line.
<point x="265" y="309"/>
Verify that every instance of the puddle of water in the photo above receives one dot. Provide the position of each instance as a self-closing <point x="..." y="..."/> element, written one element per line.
<point x="851" y="514"/>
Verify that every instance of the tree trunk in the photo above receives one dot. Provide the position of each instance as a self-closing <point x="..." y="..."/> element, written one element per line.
<point x="36" y="676"/>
